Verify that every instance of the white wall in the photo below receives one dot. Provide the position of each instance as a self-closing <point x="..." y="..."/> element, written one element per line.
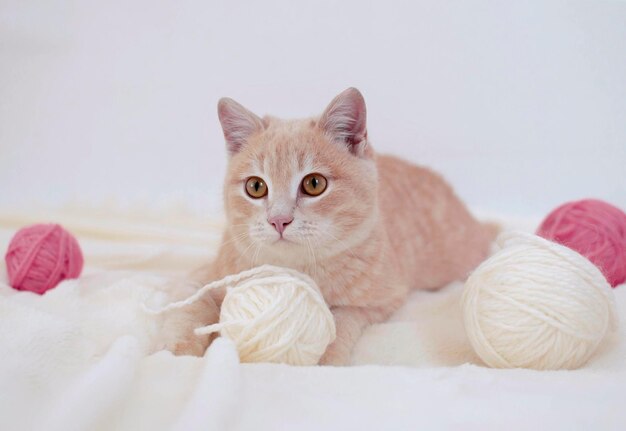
<point x="521" y="106"/>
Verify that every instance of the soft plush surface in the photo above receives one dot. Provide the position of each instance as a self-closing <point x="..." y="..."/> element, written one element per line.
<point x="87" y="356"/>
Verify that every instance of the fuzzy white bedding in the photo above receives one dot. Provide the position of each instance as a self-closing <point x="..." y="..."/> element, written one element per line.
<point x="85" y="356"/>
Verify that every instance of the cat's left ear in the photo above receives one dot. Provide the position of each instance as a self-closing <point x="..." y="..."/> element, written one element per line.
<point x="344" y="121"/>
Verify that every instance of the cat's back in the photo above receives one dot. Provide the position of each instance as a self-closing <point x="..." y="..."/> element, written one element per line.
<point x="433" y="236"/>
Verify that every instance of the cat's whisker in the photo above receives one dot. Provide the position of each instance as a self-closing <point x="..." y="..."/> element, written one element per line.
<point x="343" y="243"/>
<point x="308" y="252"/>
<point x="314" y="257"/>
<point x="235" y="238"/>
<point x="256" y="254"/>
<point x="245" y="252"/>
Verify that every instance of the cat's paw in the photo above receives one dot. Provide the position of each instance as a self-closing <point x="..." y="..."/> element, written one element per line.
<point x="336" y="355"/>
<point x="193" y="346"/>
<point x="177" y="333"/>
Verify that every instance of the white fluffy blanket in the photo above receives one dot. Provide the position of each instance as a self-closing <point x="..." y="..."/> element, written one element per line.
<point x="85" y="356"/>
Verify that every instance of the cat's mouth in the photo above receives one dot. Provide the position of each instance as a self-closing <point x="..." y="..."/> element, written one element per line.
<point x="282" y="240"/>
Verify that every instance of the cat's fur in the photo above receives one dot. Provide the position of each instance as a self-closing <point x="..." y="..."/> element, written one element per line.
<point x="382" y="227"/>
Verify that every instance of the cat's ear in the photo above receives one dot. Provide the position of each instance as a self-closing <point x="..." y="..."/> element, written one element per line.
<point x="344" y="121"/>
<point x="238" y="124"/>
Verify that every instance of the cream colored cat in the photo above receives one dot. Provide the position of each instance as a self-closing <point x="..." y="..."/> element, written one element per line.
<point x="314" y="196"/>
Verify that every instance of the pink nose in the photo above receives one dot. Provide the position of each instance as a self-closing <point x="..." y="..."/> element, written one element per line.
<point x="280" y="222"/>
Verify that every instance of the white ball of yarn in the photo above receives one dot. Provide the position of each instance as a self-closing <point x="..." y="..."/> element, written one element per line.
<point x="536" y="304"/>
<point x="274" y="315"/>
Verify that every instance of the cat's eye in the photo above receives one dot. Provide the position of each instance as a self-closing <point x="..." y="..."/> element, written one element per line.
<point x="314" y="184"/>
<point x="256" y="187"/>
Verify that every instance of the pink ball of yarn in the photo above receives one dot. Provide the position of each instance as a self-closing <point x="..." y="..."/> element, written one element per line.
<point x="593" y="228"/>
<point x="41" y="256"/>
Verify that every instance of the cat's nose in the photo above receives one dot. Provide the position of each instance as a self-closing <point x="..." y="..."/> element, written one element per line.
<point x="280" y="222"/>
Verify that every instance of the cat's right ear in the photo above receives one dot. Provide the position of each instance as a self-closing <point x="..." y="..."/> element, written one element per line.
<point x="238" y="124"/>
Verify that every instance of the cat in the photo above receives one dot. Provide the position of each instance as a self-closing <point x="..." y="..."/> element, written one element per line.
<point x="311" y="194"/>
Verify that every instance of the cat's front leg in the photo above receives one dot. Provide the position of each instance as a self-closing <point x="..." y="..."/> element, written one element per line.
<point x="177" y="332"/>
<point x="350" y="323"/>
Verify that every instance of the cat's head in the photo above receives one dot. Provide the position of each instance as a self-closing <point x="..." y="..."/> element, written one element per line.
<point x="299" y="188"/>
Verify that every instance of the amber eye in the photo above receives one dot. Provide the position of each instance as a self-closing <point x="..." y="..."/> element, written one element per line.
<point x="314" y="184"/>
<point x="256" y="187"/>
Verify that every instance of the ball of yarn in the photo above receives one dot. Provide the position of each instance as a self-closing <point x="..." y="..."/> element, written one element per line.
<point x="272" y="314"/>
<point x="536" y="304"/>
<point x="41" y="256"/>
<point x="595" y="229"/>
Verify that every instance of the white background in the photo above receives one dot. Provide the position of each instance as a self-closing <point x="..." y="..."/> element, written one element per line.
<point x="521" y="106"/>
